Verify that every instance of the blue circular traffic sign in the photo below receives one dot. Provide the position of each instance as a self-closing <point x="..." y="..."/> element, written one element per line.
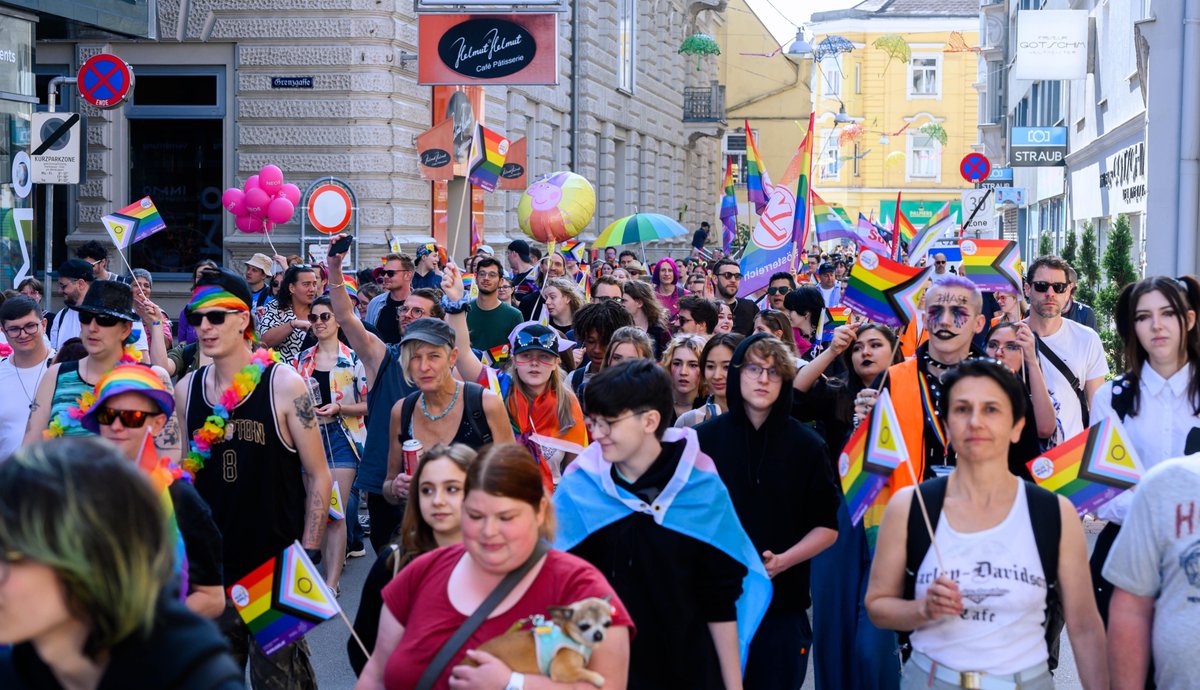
<point x="105" y="81"/>
<point x="975" y="167"/>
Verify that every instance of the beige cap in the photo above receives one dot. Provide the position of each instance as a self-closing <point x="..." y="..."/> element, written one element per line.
<point x="262" y="262"/>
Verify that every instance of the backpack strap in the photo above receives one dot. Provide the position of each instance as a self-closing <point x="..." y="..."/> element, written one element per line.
<point x="476" y="417"/>
<point x="918" y="543"/>
<point x="1069" y="375"/>
<point x="1122" y="396"/>
<point x="406" y="413"/>
<point x="1046" y="519"/>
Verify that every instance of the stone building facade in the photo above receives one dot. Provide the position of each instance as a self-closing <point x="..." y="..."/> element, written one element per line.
<point x="208" y="112"/>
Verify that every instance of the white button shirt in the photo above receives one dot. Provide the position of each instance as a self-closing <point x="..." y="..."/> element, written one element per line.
<point x="1160" y="429"/>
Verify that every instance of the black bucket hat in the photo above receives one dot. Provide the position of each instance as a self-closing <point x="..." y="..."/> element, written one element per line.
<point x="110" y="297"/>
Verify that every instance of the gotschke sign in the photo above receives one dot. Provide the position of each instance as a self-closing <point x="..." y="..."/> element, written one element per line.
<point x="460" y="49"/>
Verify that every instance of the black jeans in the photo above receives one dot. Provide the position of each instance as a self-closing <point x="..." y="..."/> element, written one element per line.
<point x="778" y="657"/>
<point x="385" y="518"/>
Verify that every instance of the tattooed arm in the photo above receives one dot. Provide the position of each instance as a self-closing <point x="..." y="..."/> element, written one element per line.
<point x="39" y="409"/>
<point x="295" y="408"/>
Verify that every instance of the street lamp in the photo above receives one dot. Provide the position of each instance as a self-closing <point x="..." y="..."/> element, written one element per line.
<point x="800" y="49"/>
<point x="842" y="118"/>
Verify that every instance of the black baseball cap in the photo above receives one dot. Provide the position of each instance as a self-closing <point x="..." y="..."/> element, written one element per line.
<point x="429" y="330"/>
<point x="228" y="281"/>
<point x="533" y="337"/>
<point x="521" y="247"/>
<point x="76" y="269"/>
<point x="825" y="268"/>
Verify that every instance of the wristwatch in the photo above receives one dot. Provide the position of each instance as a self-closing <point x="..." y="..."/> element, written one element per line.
<point x="516" y="681"/>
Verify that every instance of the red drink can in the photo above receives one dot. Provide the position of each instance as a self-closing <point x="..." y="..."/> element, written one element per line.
<point x="409" y="452"/>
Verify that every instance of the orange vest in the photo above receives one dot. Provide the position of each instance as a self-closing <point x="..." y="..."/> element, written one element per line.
<point x="909" y="341"/>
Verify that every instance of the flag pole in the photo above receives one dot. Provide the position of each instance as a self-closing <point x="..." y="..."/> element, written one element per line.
<point x="353" y="632"/>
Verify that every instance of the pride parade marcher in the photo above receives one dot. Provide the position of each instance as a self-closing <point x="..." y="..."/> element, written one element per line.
<point x="22" y="323"/>
<point x="985" y="629"/>
<point x="714" y="378"/>
<point x="1013" y="344"/>
<point x="131" y="403"/>
<point x="251" y="429"/>
<point x="286" y="322"/>
<point x="489" y="318"/>
<point x="668" y="285"/>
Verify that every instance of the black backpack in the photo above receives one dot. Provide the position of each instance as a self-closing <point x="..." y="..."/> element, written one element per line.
<point x="472" y="398"/>
<point x="1046" y="520"/>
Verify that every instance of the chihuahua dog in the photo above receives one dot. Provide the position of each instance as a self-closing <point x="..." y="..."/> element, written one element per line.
<point x="558" y="647"/>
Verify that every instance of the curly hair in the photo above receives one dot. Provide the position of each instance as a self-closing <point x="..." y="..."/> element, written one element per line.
<point x="643" y="292"/>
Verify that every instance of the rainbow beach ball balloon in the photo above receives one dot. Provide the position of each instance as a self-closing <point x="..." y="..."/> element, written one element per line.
<point x="556" y="207"/>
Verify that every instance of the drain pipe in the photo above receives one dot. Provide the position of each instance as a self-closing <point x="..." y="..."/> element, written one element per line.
<point x="1189" y="142"/>
<point x="574" y="163"/>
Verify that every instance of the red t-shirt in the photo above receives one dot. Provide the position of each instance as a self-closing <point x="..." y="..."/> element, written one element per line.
<point x="420" y="601"/>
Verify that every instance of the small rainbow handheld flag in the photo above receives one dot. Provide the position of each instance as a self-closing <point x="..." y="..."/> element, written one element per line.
<point x="869" y="236"/>
<point x="874" y="451"/>
<point x="992" y="264"/>
<point x="828" y="222"/>
<point x="729" y="208"/>
<point x="884" y="290"/>
<point x="930" y="233"/>
<point x="1092" y="467"/>
<point x="831" y="318"/>
<point x="336" y="512"/>
<point x="488" y="151"/>
<point x="283" y="599"/>
<point x="758" y="183"/>
<point x="133" y="223"/>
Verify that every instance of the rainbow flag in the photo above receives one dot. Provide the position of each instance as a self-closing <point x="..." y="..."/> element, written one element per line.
<point x="729" y="208"/>
<point x="351" y="286"/>
<point x="884" y="290"/>
<point x="336" y="511"/>
<point x="937" y="226"/>
<point x="874" y="451"/>
<point x="870" y="236"/>
<point x="758" y="183"/>
<point x="283" y="599"/>
<point x="488" y="151"/>
<point x="1092" y="467"/>
<point x="831" y="318"/>
<point x="574" y="250"/>
<point x="800" y="222"/>
<point x="162" y="473"/>
<point x="902" y="229"/>
<point x="829" y="223"/>
<point x="133" y="223"/>
<point x="993" y="265"/>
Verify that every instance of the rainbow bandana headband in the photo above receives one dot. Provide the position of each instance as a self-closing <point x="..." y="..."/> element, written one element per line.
<point x="128" y="378"/>
<point x="214" y="297"/>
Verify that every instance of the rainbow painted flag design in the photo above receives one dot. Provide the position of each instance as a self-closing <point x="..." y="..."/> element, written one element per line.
<point x="884" y="290"/>
<point x="488" y="151"/>
<point x="831" y="318"/>
<point x="937" y="226"/>
<point x="1092" y="467"/>
<point x="729" y="208"/>
<point x="133" y="223"/>
<point x="283" y="599"/>
<point x="873" y="452"/>
<point x="828" y="222"/>
<point x="758" y="183"/>
<point x="993" y="265"/>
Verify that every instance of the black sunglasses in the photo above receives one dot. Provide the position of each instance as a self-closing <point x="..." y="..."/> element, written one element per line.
<point x="323" y="316"/>
<point x="1043" y="286"/>
<point x="216" y="318"/>
<point x="106" y="320"/>
<point x="390" y="272"/>
<point x="130" y="419"/>
<point x="729" y="275"/>
<point x="782" y="290"/>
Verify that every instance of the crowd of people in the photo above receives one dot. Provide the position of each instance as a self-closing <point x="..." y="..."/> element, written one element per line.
<point x="528" y="430"/>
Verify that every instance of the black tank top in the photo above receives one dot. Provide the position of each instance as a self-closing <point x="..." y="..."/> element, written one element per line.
<point x="473" y="430"/>
<point x="252" y="481"/>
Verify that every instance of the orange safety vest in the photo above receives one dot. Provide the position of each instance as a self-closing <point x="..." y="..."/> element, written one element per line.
<point x="910" y="341"/>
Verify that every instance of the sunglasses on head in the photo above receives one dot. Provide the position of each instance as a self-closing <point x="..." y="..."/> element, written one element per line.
<point x="1044" y="286"/>
<point x="216" y="317"/>
<point x="106" y="320"/>
<point x="549" y="340"/>
<point x="131" y="419"/>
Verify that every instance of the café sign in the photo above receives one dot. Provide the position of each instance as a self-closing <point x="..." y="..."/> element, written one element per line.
<point x="1125" y="174"/>
<point x="459" y="49"/>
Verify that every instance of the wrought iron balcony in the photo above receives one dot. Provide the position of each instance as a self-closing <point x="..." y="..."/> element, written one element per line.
<point x="704" y="103"/>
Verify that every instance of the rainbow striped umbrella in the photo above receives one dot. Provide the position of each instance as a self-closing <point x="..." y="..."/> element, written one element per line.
<point x="640" y="227"/>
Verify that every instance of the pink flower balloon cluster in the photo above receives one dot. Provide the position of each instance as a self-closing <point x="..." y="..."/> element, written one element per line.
<point x="263" y="202"/>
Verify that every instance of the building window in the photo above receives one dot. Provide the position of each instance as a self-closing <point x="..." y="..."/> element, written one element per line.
<point x="856" y="158"/>
<point x="626" y="43"/>
<point x="828" y="163"/>
<point x="735" y="148"/>
<point x="176" y="145"/>
<point x="925" y="76"/>
<point x="831" y="76"/>
<point x="924" y="157"/>
<point x="857" y="78"/>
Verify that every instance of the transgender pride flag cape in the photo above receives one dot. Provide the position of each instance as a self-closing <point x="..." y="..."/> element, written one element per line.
<point x="695" y="503"/>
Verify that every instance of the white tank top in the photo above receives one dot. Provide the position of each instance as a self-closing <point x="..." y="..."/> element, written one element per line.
<point x="1003" y="588"/>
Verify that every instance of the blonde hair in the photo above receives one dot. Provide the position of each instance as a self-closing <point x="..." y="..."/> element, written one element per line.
<point x="772" y="348"/>
<point x="633" y="336"/>
<point x="569" y="290"/>
<point x="688" y="341"/>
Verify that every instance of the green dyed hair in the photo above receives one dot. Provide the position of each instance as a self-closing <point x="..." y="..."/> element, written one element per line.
<point x="78" y="507"/>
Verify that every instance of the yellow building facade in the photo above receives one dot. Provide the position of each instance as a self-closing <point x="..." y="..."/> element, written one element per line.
<point x="891" y="101"/>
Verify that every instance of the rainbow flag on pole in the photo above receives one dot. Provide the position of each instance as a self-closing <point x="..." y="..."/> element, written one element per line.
<point x="488" y="151"/>
<point x="283" y="599"/>
<point x="993" y="265"/>
<point x="800" y="223"/>
<point x="869" y="236"/>
<point x="831" y="318"/>
<point x="884" y="290"/>
<point x="828" y="222"/>
<point x="1091" y="468"/>
<point x="758" y="183"/>
<point x="729" y="209"/>
<point x="923" y="241"/>
<point x="133" y="223"/>
<point x="874" y="451"/>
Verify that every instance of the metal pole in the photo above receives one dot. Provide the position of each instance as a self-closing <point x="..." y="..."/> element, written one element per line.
<point x="52" y="102"/>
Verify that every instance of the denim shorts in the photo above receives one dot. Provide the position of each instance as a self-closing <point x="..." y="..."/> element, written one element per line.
<point x="338" y="451"/>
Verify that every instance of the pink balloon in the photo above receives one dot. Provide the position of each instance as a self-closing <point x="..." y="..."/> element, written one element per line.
<point x="270" y="178"/>
<point x="242" y="223"/>
<point x="280" y="210"/>
<point x="256" y="202"/>
<point x="234" y="201"/>
<point x="251" y="183"/>
<point x="290" y="192"/>
<point x="256" y="224"/>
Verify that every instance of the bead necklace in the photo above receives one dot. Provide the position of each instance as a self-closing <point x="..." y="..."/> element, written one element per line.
<point x="443" y="413"/>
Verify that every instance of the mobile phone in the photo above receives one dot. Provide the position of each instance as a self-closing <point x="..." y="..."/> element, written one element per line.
<point x="342" y="245"/>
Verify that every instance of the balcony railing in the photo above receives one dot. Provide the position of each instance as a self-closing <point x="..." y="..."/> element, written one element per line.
<point x="704" y="103"/>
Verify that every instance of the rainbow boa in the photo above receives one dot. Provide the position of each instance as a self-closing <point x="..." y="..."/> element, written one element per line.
<point x="213" y="430"/>
<point x="69" y="418"/>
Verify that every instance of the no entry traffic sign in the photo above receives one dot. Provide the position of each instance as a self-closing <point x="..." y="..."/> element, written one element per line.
<point x="329" y="209"/>
<point x="105" y="81"/>
<point x="975" y="167"/>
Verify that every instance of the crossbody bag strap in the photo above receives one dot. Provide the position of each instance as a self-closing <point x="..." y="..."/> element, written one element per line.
<point x="1068" y="375"/>
<point x="469" y="626"/>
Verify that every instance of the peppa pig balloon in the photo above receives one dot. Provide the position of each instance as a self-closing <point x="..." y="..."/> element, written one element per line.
<point x="556" y="207"/>
<point x="290" y="192"/>
<point x="256" y="202"/>
<point x="270" y="179"/>
<point x="280" y="210"/>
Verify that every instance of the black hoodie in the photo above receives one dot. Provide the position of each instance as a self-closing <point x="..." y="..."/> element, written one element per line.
<point x="778" y="476"/>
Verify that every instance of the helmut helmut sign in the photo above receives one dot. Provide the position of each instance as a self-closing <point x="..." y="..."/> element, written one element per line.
<point x="1038" y="147"/>
<point x="459" y="49"/>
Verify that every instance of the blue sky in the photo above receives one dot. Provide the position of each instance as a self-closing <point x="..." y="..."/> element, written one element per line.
<point x="782" y="16"/>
